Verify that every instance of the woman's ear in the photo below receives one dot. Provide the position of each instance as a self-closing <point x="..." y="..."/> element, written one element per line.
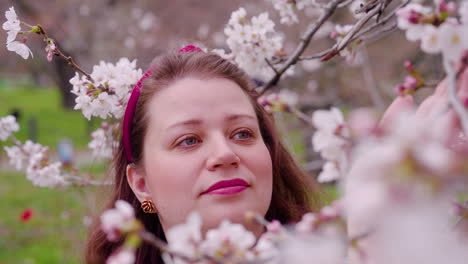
<point x="137" y="181"/>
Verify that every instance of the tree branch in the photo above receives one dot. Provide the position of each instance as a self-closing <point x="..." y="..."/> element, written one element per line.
<point x="305" y="40"/>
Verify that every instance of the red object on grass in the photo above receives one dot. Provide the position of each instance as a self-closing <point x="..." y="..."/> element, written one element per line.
<point x="26" y="215"/>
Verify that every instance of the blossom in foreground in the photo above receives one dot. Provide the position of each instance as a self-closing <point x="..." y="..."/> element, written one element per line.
<point x="13" y="27"/>
<point x="8" y="125"/>
<point x="108" y="95"/>
<point x="186" y="238"/>
<point x="122" y="256"/>
<point x="228" y="241"/>
<point x="118" y="221"/>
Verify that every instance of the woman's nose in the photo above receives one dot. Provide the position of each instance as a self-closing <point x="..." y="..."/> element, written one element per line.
<point x="222" y="155"/>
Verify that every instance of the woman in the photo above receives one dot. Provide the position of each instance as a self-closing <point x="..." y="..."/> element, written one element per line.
<point x="198" y="140"/>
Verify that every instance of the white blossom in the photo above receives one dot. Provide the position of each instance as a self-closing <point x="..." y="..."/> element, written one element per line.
<point x="463" y="12"/>
<point x="430" y="40"/>
<point x="186" y="238"/>
<point x="252" y="42"/>
<point x="453" y="41"/>
<point x="45" y="176"/>
<point x="123" y="256"/>
<point x="118" y="220"/>
<point x="286" y="11"/>
<point x="228" y="240"/>
<point x="103" y="143"/>
<point x="8" y="125"/>
<point x="108" y="95"/>
<point x="20" y="48"/>
<point x="12" y="25"/>
<point x="330" y="172"/>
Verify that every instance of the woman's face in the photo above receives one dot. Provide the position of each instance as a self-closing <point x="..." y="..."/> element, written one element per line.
<point x="203" y="152"/>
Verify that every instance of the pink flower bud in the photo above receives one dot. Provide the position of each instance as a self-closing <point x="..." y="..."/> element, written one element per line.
<point x="334" y="35"/>
<point x="414" y="17"/>
<point x="410" y="82"/>
<point x="409" y="66"/>
<point x="274" y="226"/>
<point x="400" y="89"/>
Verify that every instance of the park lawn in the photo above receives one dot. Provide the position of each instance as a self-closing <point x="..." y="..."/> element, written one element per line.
<point x="54" y="123"/>
<point x="56" y="232"/>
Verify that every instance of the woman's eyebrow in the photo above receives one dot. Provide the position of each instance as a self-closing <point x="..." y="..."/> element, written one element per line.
<point x="197" y="122"/>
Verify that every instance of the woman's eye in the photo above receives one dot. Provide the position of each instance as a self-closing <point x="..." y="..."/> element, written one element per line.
<point x="244" y="134"/>
<point x="188" y="142"/>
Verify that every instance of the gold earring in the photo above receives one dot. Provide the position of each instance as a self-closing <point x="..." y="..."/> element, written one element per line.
<point x="148" y="207"/>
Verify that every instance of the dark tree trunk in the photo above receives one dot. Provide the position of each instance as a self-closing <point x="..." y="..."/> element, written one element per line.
<point x="64" y="73"/>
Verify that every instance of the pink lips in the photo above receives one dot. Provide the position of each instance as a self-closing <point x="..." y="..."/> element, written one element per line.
<point x="227" y="187"/>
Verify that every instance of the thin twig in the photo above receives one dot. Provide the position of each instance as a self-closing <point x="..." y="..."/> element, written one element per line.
<point x="360" y="34"/>
<point x="271" y="65"/>
<point x="59" y="53"/>
<point x="301" y="116"/>
<point x="84" y="181"/>
<point x="358" y="26"/>
<point x="453" y="98"/>
<point x="370" y="81"/>
<point x="305" y="40"/>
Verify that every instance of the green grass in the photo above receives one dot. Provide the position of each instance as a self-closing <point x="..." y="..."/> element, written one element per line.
<point x="56" y="232"/>
<point x="54" y="123"/>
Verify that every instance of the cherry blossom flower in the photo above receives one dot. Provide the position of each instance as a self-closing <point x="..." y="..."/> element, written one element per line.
<point x="8" y="125"/>
<point x="185" y="238"/>
<point x="50" y="49"/>
<point x="122" y="256"/>
<point x="278" y="102"/>
<point x="228" y="241"/>
<point x="453" y="41"/>
<point x="430" y="40"/>
<point x="118" y="221"/>
<point x="330" y="172"/>
<point x="252" y="42"/>
<point x="286" y="11"/>
<point x="103" y="141"/>
<point x="20" y="48"/>
<point x="108" y="95"/>
<point x="13" y="27"/>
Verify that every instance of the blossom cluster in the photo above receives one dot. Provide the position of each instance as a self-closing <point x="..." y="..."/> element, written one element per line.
<point x="13" y="28"/>
<point x="8" y="125"/>
<point x="439" y="29"/>
<point x="39" y="170"/>
<point x="287" y="9"/>
<point x="103" y="141"/>
<point x="252" y="42"/>
<point x="407" y="172"/>
<point x="106" y="95"/>
<point x="331" y="140"/>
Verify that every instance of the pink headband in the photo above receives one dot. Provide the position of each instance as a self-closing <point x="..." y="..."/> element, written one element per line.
<point x="132" y="102"/>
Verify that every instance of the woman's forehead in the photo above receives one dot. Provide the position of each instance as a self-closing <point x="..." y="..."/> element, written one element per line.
<point x="202" y="100"/>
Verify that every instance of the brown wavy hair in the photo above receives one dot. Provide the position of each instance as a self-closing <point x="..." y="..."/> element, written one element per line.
<point x="293" y="192"/>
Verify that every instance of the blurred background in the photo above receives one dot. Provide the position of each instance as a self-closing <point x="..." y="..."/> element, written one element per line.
<point x="49" y="225"/>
